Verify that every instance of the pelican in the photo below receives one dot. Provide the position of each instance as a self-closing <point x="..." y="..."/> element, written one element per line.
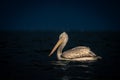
<point x="79" y="53"/>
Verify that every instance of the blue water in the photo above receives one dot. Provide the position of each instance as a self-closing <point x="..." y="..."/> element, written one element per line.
<point x="24" y="56"/>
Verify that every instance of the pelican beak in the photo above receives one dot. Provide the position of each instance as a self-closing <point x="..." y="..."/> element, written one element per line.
<point x="56" y="46"/>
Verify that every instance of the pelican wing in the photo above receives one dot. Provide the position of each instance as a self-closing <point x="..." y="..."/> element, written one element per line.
<point x="78" y="52"/>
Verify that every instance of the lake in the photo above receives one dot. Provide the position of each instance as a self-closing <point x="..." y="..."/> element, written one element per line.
<point x="24" y="56"/>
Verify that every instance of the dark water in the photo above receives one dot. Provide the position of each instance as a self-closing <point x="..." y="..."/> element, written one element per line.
<point x="24" y="56"/>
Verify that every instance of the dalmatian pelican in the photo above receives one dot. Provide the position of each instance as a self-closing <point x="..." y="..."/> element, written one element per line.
<point x="79" y="53"/>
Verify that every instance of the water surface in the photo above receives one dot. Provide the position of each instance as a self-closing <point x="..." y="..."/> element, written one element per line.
<point x="24" y="56"/>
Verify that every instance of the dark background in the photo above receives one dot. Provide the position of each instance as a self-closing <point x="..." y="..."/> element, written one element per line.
<point x="30" y="28"/>
<point x="65" y="15"/>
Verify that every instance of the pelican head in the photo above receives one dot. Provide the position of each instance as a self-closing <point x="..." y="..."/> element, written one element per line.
<point x="62" y="38"/>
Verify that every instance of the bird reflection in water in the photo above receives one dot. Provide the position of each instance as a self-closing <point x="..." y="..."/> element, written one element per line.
<point x="73" y="70"/>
